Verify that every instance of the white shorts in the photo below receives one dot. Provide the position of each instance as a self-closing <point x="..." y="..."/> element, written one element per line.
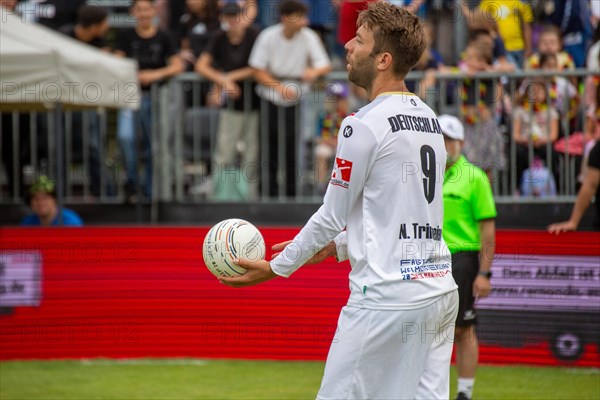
<point x="392" y="354"/>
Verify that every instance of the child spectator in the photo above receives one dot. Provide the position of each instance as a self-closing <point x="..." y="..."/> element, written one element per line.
<point x="537" y="180"/>
<point x="573" y="19"/>
<point x="550" y="42"/>
<point x="563" y="94"/>
<point x="46" y="212"/>
<point x="535" y="123"/>
<point x="328" y="125"/>
<point x="484" y="144"/>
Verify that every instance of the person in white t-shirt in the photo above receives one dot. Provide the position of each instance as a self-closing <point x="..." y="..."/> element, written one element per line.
<point x="287" y="58"/>
<point x="383" y="210"/>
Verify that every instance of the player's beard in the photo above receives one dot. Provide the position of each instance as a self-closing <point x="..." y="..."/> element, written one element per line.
<point x="362" y="72"/>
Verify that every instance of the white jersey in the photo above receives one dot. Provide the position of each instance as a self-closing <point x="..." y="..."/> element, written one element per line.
<point x="286" y="59"/>
<point x="386" y="190"/>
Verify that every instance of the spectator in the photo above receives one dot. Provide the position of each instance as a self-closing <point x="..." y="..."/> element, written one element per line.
<point x="469" y="231"/>
<point x="592" y="55"/>
<point x="157" y="60"/>
<point x="563" y="94"/>
<point x="443" y="19"/>
<point x="595" y="9"/>
<point x="429" y="62"/>
<point x="535" y="123"/>
<point x="592" y="120"/>
<point x="482" y="28"/>
<point x="57" y="13"/>
<point x="348" y="14"/>
<point x="90" y="28"/>
<point x="537" y="180"/>
<point x="484" y="144"/>
<point x="323" y="17"/>
<point x="329" y="122"/>
<point x="573" y="21"/>
<point x="592" y="114"/>
<point x="225" y="62"/>
<point x="197" y="26"/>
<point x="46" y="212"/>
<point x="589" y="189"/>
<point x="514" y="18"/>
<point x="7" y="137"/>
<point x="550" y="42"/>
<point x="416" y="7"/>
<point x="287" y="57"/>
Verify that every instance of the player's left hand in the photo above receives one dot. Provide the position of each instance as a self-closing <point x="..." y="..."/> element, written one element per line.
<point x="328" y="251"/>
<point x="258" y="272"/>
<point x="481" y="287"/>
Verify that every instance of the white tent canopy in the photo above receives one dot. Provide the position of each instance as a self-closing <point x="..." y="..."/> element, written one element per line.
<point x="41" y="66"/>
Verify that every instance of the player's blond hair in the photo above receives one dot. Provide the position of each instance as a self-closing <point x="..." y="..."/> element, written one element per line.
<point x="396" y="31"/>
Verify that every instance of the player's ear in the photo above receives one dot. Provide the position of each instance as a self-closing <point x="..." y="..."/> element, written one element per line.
<point x="384" y="61"/>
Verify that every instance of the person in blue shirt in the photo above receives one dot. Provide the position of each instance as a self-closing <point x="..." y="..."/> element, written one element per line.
<point x="46" y="211"/>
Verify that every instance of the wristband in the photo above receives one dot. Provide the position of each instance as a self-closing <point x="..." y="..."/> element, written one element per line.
<point x="487" y="274"/>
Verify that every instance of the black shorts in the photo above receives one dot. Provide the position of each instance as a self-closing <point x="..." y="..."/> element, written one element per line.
<point x="465" y="267"/>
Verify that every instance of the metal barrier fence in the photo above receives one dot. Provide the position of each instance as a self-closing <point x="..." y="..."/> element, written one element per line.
<point x="189" y="157"/>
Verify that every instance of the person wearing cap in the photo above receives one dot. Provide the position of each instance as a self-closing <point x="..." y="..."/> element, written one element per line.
<point x="469" y="231"/>
<point x="46" y="211"/>
<point x="224" y="61"/>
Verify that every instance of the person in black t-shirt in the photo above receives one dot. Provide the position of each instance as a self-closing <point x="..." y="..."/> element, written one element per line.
<point x="157" y="60"/>
<point x="225" y="62"/>
<point x="90" y="27"/>
<point x="57" y="13"/>
<point x="589" y="189"/>
<point x="196" y="28"/>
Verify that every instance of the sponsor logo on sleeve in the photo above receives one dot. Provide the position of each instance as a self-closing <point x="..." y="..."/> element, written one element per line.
<point x="347" y="131"/>
<point x="341" y="173"/>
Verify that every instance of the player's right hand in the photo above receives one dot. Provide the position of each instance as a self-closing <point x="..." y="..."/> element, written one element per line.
<point x="258" y="272"/>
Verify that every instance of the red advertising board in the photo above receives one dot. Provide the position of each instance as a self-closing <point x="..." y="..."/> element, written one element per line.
<point x="145" y="292"/>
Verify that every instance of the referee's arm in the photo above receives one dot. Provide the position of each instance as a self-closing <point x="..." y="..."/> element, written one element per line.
<point x="487" y="232"/>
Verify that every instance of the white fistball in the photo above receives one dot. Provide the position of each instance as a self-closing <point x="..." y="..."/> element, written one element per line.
<point x="228" y="240"/>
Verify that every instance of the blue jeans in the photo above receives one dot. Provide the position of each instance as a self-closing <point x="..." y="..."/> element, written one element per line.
<point x="577" y="52"/>
<point x="518" y="57"/>
<point x="126" y="135"/>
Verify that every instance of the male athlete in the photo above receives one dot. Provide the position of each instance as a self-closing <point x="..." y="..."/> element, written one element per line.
<point x="394" y="338"/>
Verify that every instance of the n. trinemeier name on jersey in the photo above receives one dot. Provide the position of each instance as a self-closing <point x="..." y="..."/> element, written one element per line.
<point x="421" y="232"/>
<point x="411" y="123"/>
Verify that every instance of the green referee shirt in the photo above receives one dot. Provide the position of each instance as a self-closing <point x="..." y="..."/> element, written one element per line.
<point x="468" y="199"/>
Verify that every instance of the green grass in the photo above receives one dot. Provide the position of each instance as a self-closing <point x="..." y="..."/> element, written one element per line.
<point x="216" y="379"/>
